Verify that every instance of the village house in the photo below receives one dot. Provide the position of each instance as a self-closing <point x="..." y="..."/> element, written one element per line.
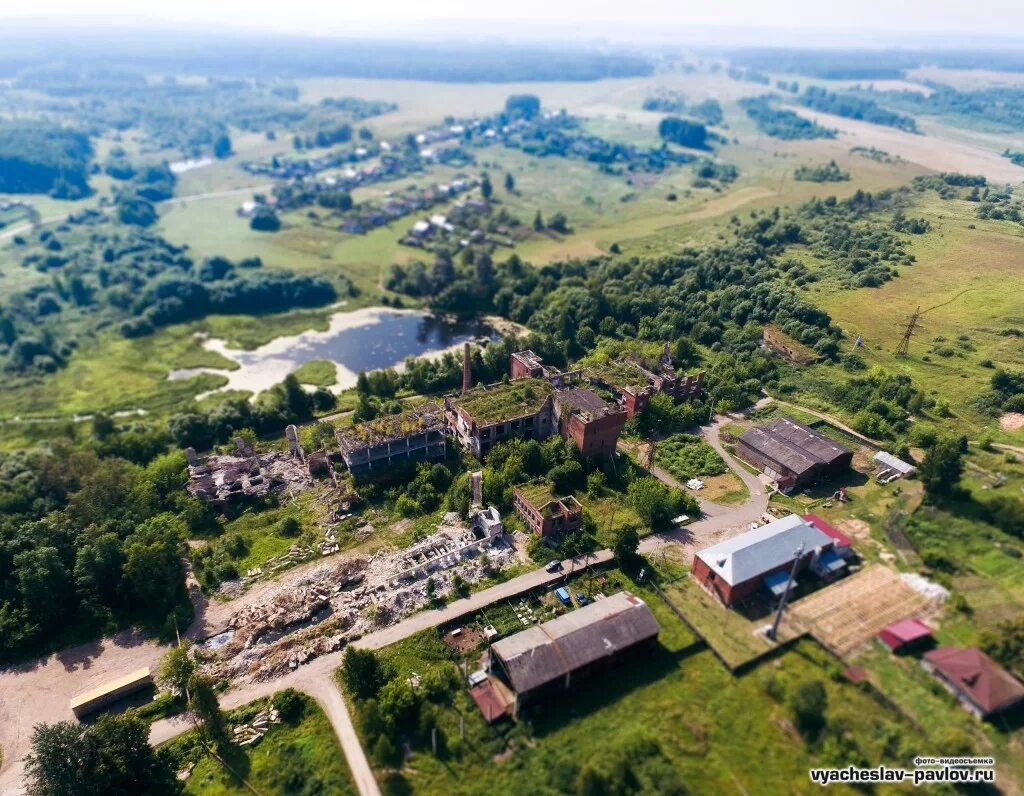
<point x="981" y="685"/>
<point x="415" y="435"/>
<point x="738" y="568"/>
<point x="553" y="656"/>
<point x="792" y="454"/>
<point x="545" y="514"/>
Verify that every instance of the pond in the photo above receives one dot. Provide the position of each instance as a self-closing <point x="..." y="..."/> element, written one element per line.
<point x="366" y="339"/>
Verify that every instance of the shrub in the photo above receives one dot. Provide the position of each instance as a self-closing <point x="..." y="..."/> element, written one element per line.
<point x="290" y="704"/>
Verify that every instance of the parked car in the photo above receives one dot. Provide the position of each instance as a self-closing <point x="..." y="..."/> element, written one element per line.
<point x="563" y="595"/>
<point x="553" y="566"/>
<point x="581" y="598"/>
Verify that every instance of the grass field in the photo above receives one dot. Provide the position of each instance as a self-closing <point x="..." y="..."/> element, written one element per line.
<point x="967" y="282"/>
<point x="729" y="734"/>
<point x="291" y="758"/>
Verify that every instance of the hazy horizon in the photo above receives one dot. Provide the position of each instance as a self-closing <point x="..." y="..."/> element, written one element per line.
<point x="791" y="23"/>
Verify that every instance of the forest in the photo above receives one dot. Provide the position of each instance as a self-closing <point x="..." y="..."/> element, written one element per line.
<point x="102" y="274"/>
<point x="781" y="123"/>
<point x="218" y="53"/>
<point x="38" y="157"/>
<point x="854" y="107"/>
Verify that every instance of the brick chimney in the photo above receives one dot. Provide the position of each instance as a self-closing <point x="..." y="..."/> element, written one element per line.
<point x="467" y="375"/>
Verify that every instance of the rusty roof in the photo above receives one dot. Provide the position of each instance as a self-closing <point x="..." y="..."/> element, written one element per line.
<point x="546" y="652"/>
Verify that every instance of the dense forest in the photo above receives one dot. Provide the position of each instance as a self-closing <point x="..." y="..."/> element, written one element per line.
<point x="871" y="64"/>
<point x="854" y="107"/>
<point x="999" y="106"/>
<point x="290" y="56"/>
<point x="101" y="274"/>
<point x="36" y="157"/>
<point x="781" y="123"/>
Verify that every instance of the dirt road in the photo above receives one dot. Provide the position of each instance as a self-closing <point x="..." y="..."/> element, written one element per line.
<point x="40" y="691"/>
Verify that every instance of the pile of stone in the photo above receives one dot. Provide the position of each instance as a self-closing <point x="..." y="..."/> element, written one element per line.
<point x="250" y="734"/>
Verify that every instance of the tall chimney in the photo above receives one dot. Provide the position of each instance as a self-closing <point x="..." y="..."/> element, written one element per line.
<point x="467" y="376"/>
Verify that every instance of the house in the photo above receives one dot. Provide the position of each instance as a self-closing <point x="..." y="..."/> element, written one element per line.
<point x="906" y="635"/>
<point x="792" y="454"/>
<point x="980" y="684"/>
<point x="546" y="514"/>
<point x="414" y="435"/>
<point x="589" y="421"/>
<point x="551" y="657"/>
<point x="843" y="543"/>
<point x="740" y="567"/>
<point x="482" y="416"/>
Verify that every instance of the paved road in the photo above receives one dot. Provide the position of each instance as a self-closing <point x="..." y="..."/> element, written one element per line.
<point x="316" y="677"/>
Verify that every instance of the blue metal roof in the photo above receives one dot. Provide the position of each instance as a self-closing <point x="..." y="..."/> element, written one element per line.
<point x="776" y="582"/>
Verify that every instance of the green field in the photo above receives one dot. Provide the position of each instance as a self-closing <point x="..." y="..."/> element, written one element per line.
<point x="716" y="731"/>
<point x="289" y="758"/>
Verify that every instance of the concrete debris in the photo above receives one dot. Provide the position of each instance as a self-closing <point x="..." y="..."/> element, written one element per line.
<point x="933" y="591"/>
<point x="227" y="480"/>
<point x="335" y="603"/>
<point x="250" y="734"/>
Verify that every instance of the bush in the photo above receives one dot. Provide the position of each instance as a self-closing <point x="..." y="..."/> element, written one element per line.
<point x="808" y="702"/>
<point x="290" y="704"/>
<point x="289" y="526"/>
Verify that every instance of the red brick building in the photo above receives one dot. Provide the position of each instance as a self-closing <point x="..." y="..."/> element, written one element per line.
<point x="591" y="423"/>
<point x="738" y="568"/>
<point x="546" y="514"/>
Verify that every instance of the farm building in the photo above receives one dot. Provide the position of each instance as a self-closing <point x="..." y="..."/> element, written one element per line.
<point x="416" y="435"/>
<point x="762" y="558"/>
<point x="980" y="684"/>
<point x="483" y="416"/>
<point x="550" y="657"/>
<point x="107" y="694"/>
<point x="791" y="453"/>
<point x="546" y="514"/>
<point x="843" y="543"/>
<point x="591" y="423"/>
<point x="905" y="636"/>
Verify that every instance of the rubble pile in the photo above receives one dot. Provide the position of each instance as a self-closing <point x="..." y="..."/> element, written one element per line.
<point x="250" y="734"/>
<point x="335" y="603"/>
<point x="225" y="480"/>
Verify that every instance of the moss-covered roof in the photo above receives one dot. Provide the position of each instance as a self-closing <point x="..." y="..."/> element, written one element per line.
<point x="500" y="402"/>
<point x="619" y="373"/>
<point x="390" y="427"/>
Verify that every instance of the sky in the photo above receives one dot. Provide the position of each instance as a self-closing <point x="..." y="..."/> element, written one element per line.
<point x="786" y="21"/>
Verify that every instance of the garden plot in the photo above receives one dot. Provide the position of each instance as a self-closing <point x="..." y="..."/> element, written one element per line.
<point x="849" y="613"/>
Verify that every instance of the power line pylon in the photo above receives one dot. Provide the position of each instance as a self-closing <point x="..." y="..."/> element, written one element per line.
<point x="911" y="326"/>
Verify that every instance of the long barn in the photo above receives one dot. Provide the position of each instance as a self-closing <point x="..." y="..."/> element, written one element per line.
<point x="553" y="656"/>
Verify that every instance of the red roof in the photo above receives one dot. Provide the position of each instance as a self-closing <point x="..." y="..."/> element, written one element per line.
<point x="842" y="540"/>
<point x="987" y="684"/>
<point x="488" y="701"/>
<point x="904" y="632"/>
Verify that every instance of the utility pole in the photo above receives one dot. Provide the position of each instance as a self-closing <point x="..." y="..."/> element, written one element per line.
<point x="912" y="325"/>
<point x="785" y="595"/>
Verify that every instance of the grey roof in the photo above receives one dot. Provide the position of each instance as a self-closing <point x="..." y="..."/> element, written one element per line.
<point x="793" y="445"/>
<point x="756" y="552"/>
<point x="587" y="402"/>
<point x="891" y="461"/>
<point x="543" y="653"/>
